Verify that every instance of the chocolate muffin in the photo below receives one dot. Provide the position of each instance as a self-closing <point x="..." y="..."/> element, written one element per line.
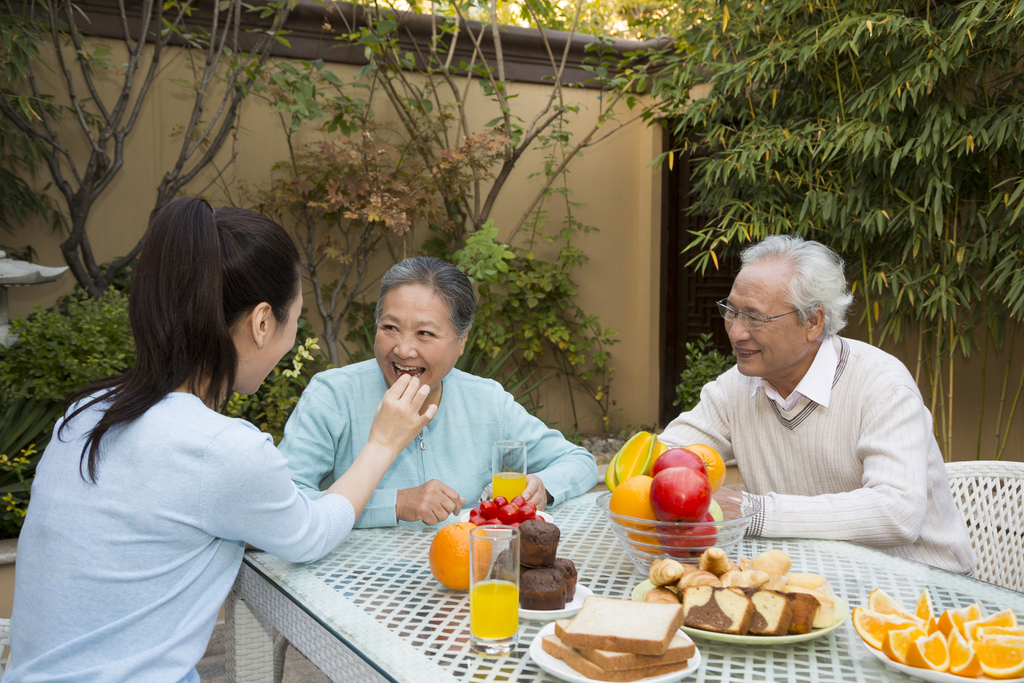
<point x="568" y="569"/>
<point x="538" y="543"/>
<point x="542" y="589"/>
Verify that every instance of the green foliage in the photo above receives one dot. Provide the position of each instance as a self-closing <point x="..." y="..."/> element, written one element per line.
<point x="269" y="408"/>
<point x="703" y="364"/>
<point x="527" y="303"/>
<point x="25" y="428"/>
<point x="61" y="352"/>
<point x="893" y="132"/>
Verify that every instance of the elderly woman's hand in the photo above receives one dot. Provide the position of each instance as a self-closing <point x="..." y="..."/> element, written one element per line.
<point x="535" y="492"/>
<point x="429" y="503"/>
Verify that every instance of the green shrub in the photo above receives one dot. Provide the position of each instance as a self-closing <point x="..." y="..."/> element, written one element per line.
<point x="702" y="366"/>
<point x="61" y="352"/>
<point x="25" y="428"/>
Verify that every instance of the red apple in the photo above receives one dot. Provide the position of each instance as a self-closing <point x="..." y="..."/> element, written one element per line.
<point x="679" y="457"/>
<point x="691" y="541"/>
<point x="680" y="494"/>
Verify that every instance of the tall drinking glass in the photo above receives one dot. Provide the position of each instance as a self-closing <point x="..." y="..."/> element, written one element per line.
<point x="493" y="589"/>
<point x="508" y="469"/>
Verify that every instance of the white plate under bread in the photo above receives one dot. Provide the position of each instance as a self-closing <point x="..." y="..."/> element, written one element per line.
<point x="556" y="667"/>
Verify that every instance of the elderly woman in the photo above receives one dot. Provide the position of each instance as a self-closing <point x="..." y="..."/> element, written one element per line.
<point x="424" y="312"/>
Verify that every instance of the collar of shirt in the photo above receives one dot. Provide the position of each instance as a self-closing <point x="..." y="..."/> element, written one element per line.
<point x="816" y="384"/>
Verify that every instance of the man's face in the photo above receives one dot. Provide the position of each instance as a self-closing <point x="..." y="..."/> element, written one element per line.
<point x="782" y="351"/>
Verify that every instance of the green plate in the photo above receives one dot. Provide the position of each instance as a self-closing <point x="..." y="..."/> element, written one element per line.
<point x="842" y="612"/>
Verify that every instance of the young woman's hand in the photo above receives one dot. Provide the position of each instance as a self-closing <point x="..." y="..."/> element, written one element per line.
<point x="398" y="418"/>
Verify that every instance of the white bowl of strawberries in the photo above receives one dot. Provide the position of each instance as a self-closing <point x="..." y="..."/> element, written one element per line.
<point x="502" y="511"/>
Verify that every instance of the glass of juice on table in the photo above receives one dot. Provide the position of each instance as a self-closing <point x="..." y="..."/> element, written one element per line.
<point x="493" y="589"/>
<point x="508" y="469"/>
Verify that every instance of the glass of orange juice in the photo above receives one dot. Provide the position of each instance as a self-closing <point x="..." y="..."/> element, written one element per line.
<point x="508" y="469"/>
<point x="493" y="589"/>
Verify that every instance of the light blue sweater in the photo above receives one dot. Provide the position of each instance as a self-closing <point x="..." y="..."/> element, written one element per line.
<point x="332" y="421"/>
<point x="122" y="580"/>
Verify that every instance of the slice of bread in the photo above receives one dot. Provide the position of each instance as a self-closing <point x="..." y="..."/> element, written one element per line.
<point x="679" y="650"/>
<point x="572" y="657"/>
<point x="805" y="608"/>
<point x="772" y="612"/>
<point x="642" y="628"/>
<point x="722" y="610"/>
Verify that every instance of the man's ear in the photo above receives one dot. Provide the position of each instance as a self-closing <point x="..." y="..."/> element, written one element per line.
<point x="259" y="321"/>
<point x="815" y="323"/>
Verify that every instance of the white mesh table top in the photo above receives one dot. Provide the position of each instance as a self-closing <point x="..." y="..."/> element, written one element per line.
<point x="375" y="592"/>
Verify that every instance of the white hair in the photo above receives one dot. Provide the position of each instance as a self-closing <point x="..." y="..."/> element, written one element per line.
<point x="817" y="279"/>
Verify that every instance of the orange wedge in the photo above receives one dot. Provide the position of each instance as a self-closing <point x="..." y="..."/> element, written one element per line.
<point x="956" y="618"/>
<point x="933" y="625"/>
<point x="898" y="641"/>
<point x="872" y="626"/>
<point x="929" y="652"/>
<point x="1006" y="618"/>
<point x="924" y="609"/>
<point x="963" y="660"/>
<point x="881" y="602"/>
<point x="1001" y="656"/>
<point x="984" y="631"/>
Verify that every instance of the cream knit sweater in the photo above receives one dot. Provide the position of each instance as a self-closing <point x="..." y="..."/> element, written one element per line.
<point x="866" y="469"/>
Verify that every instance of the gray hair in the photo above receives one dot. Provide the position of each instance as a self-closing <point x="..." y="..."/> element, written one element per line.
<point x="449" y="283"/>
<point x="817" y="280"/>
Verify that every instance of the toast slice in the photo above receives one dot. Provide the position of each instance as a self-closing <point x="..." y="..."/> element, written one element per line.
<point x="573" y="658"/>
<point x="723" y="610"/>
<point x="642" y="628"/>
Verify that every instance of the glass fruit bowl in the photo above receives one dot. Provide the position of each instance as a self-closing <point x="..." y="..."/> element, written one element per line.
<point x="647" y="540"/>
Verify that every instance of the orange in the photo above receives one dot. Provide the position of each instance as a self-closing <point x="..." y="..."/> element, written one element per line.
<point x="713" y="461"/>
<point x="956" y="618"/>
<point x="1005" y="618"/>
<point x="929" y="652"/>
<point x="872" y="626"/>
<point x="632" y="498"/>
<point x="1001" y="656"/>
<point x="983" y="631"/>
<point x="933" y="625"/>
<point x="881" y="602"/>
<point x="963" y="660"/>
<point x="924" y="610"/>
<point x="449" y="555"/>
<point x="898" y="641"/>
<point x="631" y="450"/>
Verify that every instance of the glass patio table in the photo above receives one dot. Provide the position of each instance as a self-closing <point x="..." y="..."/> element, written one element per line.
<point x="372" y="611"/>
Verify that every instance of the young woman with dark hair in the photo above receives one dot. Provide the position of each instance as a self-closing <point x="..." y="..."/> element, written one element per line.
<point x="146" y="496"/>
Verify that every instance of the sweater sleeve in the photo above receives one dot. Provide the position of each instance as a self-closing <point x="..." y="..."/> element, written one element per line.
<point x="311" y="436"/>
<point x="247" y="495"/>
<point x="567" y="470"/>
<point x="890" y="507"/>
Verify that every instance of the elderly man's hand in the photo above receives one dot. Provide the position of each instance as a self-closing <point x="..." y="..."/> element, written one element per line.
<point x="535" y="492"/>
<point x="429" y="503"/>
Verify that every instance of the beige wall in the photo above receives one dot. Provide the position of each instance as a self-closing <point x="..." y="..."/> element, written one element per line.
<point x="621" y="194"/>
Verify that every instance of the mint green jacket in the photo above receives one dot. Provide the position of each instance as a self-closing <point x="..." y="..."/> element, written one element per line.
<point x="331" y="423"/>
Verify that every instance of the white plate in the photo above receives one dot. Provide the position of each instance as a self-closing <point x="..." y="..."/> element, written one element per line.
<point x="571" y="608"/>
<point x="842" y="611"/>
<point x="464" y="517"/>
<point x="556" y="667"/>
<point x="932" y="676"/>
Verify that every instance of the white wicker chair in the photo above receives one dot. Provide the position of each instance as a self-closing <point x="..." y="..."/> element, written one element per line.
<point x="5" y="643"/>
<point x="990" y="495"/>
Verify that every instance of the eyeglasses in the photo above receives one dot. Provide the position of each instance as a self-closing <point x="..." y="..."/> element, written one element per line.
<point x="753" y="321"/>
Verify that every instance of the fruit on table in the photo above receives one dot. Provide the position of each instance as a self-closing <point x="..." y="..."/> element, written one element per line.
<point x="680" y="494"/>
<point x="691" y="541"/>
<point x="713" y="461"/>
<point x="449" y="556"/>
<point x="632" y="498"/>
<point x="511" y="513"/>
<point x="679" y="457"/>
<point x="636" y="457"/>
<point x="962" y="641"/>
<point x="715" y="510"/>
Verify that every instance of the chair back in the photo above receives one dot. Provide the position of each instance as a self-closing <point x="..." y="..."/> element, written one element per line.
<point x="5" y="643"/>
<point x="990" y="495"/>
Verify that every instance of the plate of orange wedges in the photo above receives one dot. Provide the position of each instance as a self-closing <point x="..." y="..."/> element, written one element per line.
<point x="959" y="643"/>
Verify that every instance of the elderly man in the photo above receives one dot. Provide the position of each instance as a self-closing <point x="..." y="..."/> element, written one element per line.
<point x="830" y="433"/>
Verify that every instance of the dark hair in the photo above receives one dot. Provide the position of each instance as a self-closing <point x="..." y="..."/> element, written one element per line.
<point x="200" y="272"/>
<point x="446" y="281"/>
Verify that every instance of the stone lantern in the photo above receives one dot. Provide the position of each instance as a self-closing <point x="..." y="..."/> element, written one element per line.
<point x="14" y="273"/>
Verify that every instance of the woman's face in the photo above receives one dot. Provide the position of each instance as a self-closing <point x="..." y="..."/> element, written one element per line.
<point x="414" y="337"/>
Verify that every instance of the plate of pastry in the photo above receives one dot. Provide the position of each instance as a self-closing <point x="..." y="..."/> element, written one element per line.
<point x="598" y="660"/>
<point x="571" y="607"/>
<point x="841" y="612"/>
